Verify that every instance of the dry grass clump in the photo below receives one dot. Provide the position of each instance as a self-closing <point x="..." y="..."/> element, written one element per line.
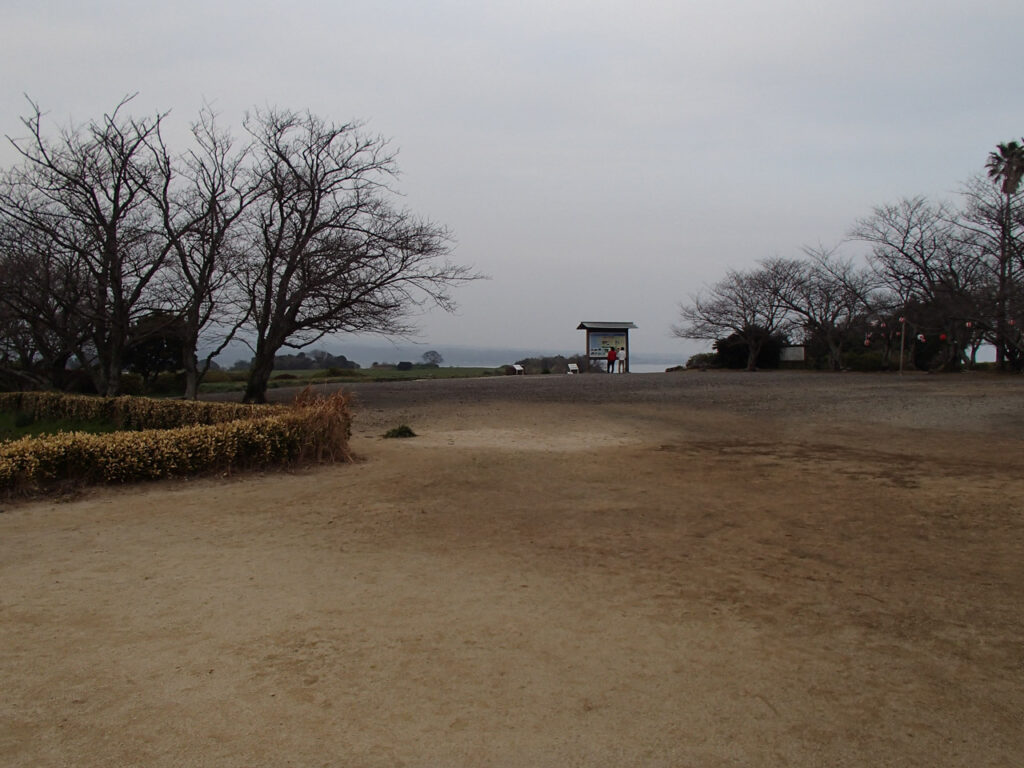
<point x="327" y="426"/>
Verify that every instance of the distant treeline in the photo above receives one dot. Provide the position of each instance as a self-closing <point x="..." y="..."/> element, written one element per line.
<point x="315" y="360"/>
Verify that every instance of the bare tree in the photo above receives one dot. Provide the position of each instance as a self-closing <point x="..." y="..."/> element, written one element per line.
<point x="84" y="194"/>
<point x="1006" y="170"/>
<point x="920" y="253"/>
<point x="18" y="353"/>
<point x="746" y="303"/>
<point x="329" y="252"/>
<point x="829" y="294"/>
<point x="202" y="198"/>
<point x="42" y="292"/>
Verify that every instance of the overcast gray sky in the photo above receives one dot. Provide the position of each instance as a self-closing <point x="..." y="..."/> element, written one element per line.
<point x="599" y="160"/>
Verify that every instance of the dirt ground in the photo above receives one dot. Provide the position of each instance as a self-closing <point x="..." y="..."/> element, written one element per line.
<point x="699" y="569"/>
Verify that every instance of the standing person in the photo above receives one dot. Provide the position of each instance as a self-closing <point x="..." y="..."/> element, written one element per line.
<point x="622" y="359"/>
<point x="611" y="359"/>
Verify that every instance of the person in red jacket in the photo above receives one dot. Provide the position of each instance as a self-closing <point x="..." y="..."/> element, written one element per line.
<point x="611" y="359"/>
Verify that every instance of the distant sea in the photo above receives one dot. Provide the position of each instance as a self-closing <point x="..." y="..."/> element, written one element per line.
<point x="366" y="352"/>
<point x="488" y="357"/>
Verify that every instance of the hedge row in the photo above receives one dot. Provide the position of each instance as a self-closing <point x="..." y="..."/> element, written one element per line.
<point x="314" y="429"/>
<point x="131" y="413"/>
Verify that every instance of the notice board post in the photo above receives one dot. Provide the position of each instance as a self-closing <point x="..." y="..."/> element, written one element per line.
<point x="601" y="336"/>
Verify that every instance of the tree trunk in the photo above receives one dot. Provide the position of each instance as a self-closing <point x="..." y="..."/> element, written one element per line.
<point x="191" y="385"/>
<point x="835" y="354"/>
<point x="1001" y="287"/>
<point x="753" y="350"/>
<point x="58" y="370"/>
<point x="259" y="376"/>
<point x="191" y="365"/>
<point x="950" y="357"/>
<point x="113" y="374"/>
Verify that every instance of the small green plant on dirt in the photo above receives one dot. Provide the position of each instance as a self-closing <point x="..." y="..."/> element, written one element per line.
<point x="401" y="431"/>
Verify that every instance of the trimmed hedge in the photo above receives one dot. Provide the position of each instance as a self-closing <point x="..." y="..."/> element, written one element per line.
<point x="126" y="412"/>
<point x="216" y="437"/>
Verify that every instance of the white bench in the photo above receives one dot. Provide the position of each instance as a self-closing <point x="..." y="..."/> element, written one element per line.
<point x="573" y="368"/>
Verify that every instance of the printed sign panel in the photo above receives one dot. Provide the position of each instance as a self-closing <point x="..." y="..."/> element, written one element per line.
<point x="599" y="343"/>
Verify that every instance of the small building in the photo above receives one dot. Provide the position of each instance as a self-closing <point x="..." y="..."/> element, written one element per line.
<point x="602" y="336"/>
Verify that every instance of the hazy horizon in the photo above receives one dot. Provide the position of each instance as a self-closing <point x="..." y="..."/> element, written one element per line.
<point x="596" y="160"/>
<point x="367" y="353"/>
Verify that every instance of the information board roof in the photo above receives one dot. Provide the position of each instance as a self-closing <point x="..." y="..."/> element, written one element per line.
<point x="594" y="325"/>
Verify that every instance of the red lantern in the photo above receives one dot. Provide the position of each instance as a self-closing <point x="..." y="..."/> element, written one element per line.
<point x="942" y="337"/>
<point x="970" y="324"/>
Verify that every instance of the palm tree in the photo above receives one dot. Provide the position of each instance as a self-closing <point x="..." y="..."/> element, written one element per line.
<point x="1005" y="166"/>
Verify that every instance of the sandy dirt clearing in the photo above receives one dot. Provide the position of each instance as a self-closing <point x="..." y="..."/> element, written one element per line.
<point x="643" y="570"/>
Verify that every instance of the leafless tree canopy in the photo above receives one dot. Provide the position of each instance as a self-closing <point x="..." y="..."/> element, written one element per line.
<point x="329" y="251"/>
<point x="937" y="280"/>
<point x="82" y="199"/>
<point x="745" y="303"/>
<point x="278" y="238"/>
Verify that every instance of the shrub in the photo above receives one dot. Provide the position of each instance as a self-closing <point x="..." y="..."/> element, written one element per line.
<point x="221" y="437"/>
<point x="78" y="381"/>
<point x="334" y="373"/>
<point x="867" y="361"/>
<point x="326" y="426"/>
<point x="220" y="376"/>
<point x="132" y="384"/>
<point x="703" y="360"/>
<point x="401" y="431"/>
<point x="168" y="384"/>
<point x="732" y="351"/>
<point x="133" y="413"/>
